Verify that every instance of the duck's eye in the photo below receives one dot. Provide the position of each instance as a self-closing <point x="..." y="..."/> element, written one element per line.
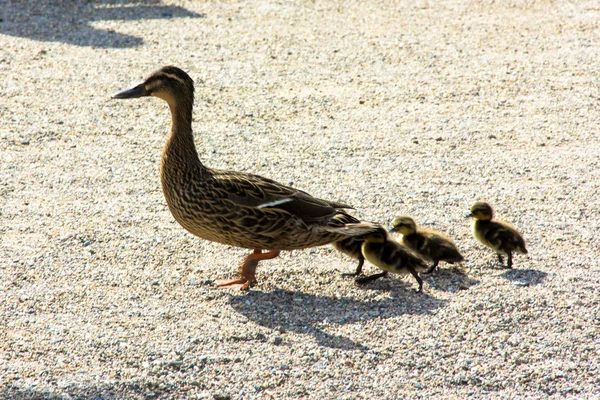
<point x="154" y="85"/>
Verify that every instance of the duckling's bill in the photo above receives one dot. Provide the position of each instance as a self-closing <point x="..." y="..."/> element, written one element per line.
<point x="132" y="93"/>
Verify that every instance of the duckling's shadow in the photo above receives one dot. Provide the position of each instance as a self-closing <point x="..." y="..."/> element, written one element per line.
<point x="305" y="313"/>
<point x="449" y="280"/>
<point x="525" y="277"/>
<point x="71" y="21"/>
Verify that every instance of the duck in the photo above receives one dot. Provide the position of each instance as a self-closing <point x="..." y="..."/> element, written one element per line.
<point x="380" y="249"/>
<point x="229" y="207"/>
<point x="499" y="236"/>
<point x="429" y="244"/>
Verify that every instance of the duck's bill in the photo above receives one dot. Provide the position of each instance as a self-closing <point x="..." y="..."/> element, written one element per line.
<point x="132" y="93"/>
<point x="469" y="215"/>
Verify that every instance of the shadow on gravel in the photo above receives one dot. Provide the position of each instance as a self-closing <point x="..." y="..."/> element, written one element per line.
<point x="116" y="391"/>
<point x="525" y="277"/>
<point x="70" y="21"/>
<point x="305" y="313"/>
<point x="449" y="280"/>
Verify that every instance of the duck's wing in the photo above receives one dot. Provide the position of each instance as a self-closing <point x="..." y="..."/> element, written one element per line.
<point x="249" y="190"/>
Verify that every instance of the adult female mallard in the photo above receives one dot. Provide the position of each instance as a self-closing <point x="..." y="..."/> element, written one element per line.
<point x="229" y="207"/>
<point x="499" y="236"/>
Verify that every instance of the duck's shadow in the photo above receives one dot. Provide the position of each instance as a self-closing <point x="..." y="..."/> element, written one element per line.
<point x="525" y="277"/>
<point x="304" y="313"/>
<point x="71" y="21"/>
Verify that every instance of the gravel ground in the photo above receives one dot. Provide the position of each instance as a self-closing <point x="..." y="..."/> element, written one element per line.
<point x="417" y="108"/>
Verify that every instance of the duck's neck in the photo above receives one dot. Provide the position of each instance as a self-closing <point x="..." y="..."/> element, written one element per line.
<point x="180" y="159"/>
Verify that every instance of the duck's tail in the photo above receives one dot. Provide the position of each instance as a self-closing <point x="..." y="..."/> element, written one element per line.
<point x="352" y="228"/>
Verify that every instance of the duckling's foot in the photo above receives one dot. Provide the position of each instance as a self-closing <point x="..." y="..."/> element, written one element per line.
<point x="248" y="270"/>
<point x="460" y="269"/>
<point x="370" y="278"/>
<point x="418" y="278"/>
<point x="432" y="268"/>
<point x="358" y="269"/>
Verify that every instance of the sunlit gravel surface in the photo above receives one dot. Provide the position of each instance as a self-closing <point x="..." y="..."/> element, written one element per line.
<point x="398" y="107"/>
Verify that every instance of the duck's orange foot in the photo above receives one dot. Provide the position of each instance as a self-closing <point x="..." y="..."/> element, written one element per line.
<point x="248" y="270"/>
<point x="242" y="283"/>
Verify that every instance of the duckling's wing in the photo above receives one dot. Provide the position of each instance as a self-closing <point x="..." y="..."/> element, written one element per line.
<point x="513" y="238"/>
<point x="502" y="236"/>
<point x="251" y="190"/>
<point x="448" y="251"/>
<point x="394" y="257"/>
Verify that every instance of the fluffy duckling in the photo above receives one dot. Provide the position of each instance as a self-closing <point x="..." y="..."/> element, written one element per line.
<point x="431" y="245"/>
<point x="384" y="252"/>
<point x="497" y="235"/>
<point x="351" y="246"/>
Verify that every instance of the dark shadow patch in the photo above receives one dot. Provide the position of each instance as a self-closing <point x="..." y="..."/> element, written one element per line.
<point x="448" y="280"/>
<point x="525" y="277"/>
<point x="391" y="283"/>
<point x="70" y="21"/>
<point x="117" y="390"/>
<point x="304" y="313"/>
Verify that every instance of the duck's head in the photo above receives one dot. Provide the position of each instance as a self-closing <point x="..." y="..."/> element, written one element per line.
<point x="378" y="235"/>
<point x="404" y="225"/>
<point x="168" y="83"/>
<point x="482" y="211"/>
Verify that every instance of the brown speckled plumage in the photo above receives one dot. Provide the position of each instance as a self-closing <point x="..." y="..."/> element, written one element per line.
<point x="431" y="245"/>
<point x="234" y="208"/>
<point x="499" y="236"/>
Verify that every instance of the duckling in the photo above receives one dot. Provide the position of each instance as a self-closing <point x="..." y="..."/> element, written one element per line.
<point x="427" y="243"/>
<point x="351" y="246"/>
<point x="384" y="252"/>
<point x="234" y="208"/>
<point x="499" y="236"/>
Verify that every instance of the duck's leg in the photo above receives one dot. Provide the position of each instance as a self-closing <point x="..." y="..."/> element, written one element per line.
<point x="358" y="271"/>
<point x="432" y="268"/>
<point x="248" y="269"/>
<point x="370" y="278"/>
